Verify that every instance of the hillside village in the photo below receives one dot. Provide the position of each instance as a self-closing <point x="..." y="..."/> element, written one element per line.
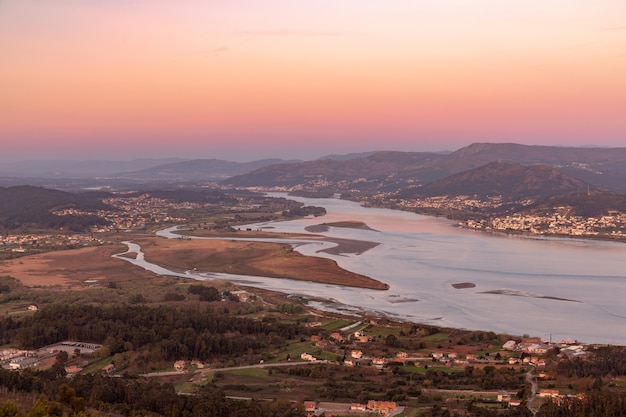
<point x="358" y="346"/>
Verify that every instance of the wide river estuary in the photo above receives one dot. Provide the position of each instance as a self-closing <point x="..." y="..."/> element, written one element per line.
<point x="549" y="288"/>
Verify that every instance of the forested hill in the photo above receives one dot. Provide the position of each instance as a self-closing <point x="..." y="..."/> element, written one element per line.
<point x="514" y="181"/>
<point x="394" y="171"/>
<point x="32" y="207"/>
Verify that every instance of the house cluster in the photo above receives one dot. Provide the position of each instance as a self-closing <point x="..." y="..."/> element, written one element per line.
<point x="537" y="346"/>
<point x="8" y="354"/>
<point x="382" y="408"/>
<point x="133" y="212"/>
<point x="24" y="243"/>
<point x="558" y="398"/>
<point x="444" y="202"/>
<point x="613" y="225"/>
<point x="452" y="358"/>
<point x="182" y="366"/>
<point x="355" y="356"/>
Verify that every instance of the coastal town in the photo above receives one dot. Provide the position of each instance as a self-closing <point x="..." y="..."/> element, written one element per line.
<point x="140" y="212"/>
<point x="559" y="221"/>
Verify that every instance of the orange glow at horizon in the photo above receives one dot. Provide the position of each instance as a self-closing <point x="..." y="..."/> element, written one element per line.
<point x="227" y="69"/>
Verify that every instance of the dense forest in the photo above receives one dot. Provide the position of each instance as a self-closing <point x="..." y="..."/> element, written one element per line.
<point x="59" y="396"/>
<point x="606" y="361"/>
<point x="163" y="333"/>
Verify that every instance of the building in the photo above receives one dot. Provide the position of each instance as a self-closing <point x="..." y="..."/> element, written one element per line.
<point x="242" y="295"/>
<point x="548" y="393"/>
<point x="378" y="361"/>
<point x="382" y="407"/>
<point x="509" y="345"/>
<point x="336" y="336"/>
<point x="72" y="369"/>
<point x="504" y="396"/>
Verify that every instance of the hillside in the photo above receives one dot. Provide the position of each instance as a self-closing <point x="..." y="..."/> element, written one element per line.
<point x="198" y="170"/>
<point x="392" y="171"/>
<point x="364" y="173"/>
<point x="77" y="168"/>
<point x="32" y="206"/>
<point x="511" y="181"/>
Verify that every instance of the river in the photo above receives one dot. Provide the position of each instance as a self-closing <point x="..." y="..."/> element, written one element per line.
<point x="550" y="288"/>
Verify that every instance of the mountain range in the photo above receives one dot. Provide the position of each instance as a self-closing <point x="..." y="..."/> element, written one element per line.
<point x="602" y="167"/>
<point x="591" y="180"/>
<point x="510" y="170"/>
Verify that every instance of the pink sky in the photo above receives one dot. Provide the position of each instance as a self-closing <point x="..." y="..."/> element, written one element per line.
<point x="244" y="79"/>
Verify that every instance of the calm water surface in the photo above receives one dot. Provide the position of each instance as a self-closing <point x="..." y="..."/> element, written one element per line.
<point x="566" y="288"/>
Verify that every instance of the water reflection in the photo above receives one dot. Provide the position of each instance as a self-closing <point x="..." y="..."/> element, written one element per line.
<point x="519" y="285"/>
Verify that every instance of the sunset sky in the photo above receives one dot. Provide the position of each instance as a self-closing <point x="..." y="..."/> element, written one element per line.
<point x="249" y="79"/>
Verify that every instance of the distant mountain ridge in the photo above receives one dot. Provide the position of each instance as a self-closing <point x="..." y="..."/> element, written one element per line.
<point x="367" y="173"/>
<point x="601" y="167"/>
<point x="77" y="168"/>
<point x="199" y="170"/>
<point x="504" y="179"/>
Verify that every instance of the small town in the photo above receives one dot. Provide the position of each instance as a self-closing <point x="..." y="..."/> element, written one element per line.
<point x="559" y="222"/>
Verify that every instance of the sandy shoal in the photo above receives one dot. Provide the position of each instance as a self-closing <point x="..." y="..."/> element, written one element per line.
<point x="75" y="268"/>
<point x="250" y="258"/>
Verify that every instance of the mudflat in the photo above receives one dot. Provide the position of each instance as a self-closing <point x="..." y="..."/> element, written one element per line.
<point x="275" y="260"/>
<point x="79" y="267"/>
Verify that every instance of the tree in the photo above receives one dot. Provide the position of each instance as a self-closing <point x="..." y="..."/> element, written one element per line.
<point x="10" y="410"/>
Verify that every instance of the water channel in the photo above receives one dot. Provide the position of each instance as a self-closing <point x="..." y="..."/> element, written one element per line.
<point x="558" y="288"/>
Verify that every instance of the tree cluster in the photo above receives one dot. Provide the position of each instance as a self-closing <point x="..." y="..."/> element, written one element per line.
<point x="168" y="333"/>
<point x="603" y="361"/>
<point x="127" y="396"/>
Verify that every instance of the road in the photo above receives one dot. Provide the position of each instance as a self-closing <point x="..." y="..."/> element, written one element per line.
<point x="232" y="368"/>
<point x="533" y="390"/>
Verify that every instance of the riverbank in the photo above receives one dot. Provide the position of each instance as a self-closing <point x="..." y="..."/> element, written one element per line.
<point x="249" y="258"/>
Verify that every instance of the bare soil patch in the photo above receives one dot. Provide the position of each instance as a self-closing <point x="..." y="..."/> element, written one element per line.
<point x="71" y="268"/>
<point x="250" y="258"/>
<point x="344" y="246"/>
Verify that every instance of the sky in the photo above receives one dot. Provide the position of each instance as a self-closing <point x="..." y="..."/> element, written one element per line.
<point x="250" y="79"/>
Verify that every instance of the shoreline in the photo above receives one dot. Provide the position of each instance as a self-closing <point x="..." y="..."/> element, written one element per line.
<point x="253" y="258"/>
